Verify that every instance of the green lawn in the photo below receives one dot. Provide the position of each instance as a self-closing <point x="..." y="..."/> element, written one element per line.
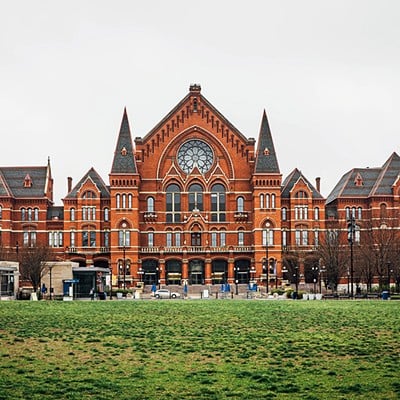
<point x="209" y="349"/>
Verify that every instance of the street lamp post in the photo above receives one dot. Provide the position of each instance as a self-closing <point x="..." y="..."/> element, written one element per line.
<point x="315" y="274"/>
<point x="296" y="275"/>
<point x="124" y="266"/>
<point x="267" y="256"/>
<point x="388" y="275"/>
<point x="351" y="225"/>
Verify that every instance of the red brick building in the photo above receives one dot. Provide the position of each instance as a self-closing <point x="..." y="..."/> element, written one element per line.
<point x="192" y="201"/>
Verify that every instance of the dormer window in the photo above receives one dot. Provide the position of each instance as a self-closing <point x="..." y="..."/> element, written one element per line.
<point x="266" y="151"/>
<point x="359" y="180"/>
<point x="195" y="104"/>
<point x="27" y="181"/>
<point x="124" y="152"/>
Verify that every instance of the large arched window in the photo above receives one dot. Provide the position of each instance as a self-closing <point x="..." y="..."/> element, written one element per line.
<point x="240" y="204"/>
<point x="173" y="205"/>
<point x="150" y="204"/>
<point x="195" y="197"/>
<point x="218" y="203"/>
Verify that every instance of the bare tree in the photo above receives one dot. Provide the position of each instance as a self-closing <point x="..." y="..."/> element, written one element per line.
<point x="379" y="252"/>
<point x="333" y="258"/>
<point x="33" y="263"/>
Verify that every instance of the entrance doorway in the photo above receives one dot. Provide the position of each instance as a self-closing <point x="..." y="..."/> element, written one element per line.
<point x="196" y="272"/>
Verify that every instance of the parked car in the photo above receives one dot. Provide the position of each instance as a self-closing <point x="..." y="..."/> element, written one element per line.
<point x="166" y="294"/>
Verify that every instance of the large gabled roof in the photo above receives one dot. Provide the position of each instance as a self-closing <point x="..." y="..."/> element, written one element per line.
<point x="96" y="179"/>
<point x="292" y="179"/>
<point x="195" y="90"/>
<point x="367" y="182"/>
<point x="12" y="181"/>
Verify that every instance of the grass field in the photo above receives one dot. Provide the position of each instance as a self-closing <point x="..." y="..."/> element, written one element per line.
<point x="223" y="349"/>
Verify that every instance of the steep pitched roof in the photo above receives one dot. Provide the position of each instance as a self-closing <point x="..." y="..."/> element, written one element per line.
<point x="390" y="172"/>
<point x="98" y="181"/>
<point x="124" y="159"/>
<point x="266" y="159"/>
<point x="291" y="181"/>
<point x="195" y="90"/>
<point x="13" y="178"/>
<point x="373" y="181"/>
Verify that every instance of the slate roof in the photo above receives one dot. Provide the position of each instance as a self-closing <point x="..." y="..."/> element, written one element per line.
<point x="266" y="159"/>
<point x="291" y="181"/>
<point x="375" y="181"/>
<point x="12" y="181"/>
<point x="96" y="178"/>
<point x="124" y="159"/>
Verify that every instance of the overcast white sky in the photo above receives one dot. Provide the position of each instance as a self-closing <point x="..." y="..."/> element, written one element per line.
<point x="327" y="73"/>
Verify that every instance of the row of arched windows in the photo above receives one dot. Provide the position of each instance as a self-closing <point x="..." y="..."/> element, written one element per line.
<point x="29" y="214"/>
<point x="300" y="213"/>
<point x="267" y="200"/>
<point x="89" y="214"/>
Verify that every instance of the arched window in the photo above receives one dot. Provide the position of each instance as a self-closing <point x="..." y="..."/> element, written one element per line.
<point x="29" y="214"/>
<point x="284" y="238"/>
<point x="316" y="238"/>
<point x="267" y="204"/>
<point x="89" y="194"/>
<point x="301" y="235"/>
<point x="169" y="239"/>
<point x="124" y="200"/>
<point x="268" y="237"/>
<point x="88" y="237"/>
<point x="301" y="194"/>
<point x="214" y="239"/>
<point x="173" y="206"/>
<point x="150" y="204"/>
<point x="240" y="237"/>
<point x="273" y="198"/>
<point x="1" y="212"/>
<point x="150" y="238"/>
<point x="261" y="201"/>
<point x="284" y="213"/>
<point x="124" y="238"/>
<point x="36" y="214"/>
<point x="218" y="206"/>
<point x="195" y="197"/>
<point x="316" y="213"/>
<point x="129" y="200"/>
<point x="240" y="204"/>
<point x="106" y="214"/>
<point x="72" y="214"/>
<point x="72" y="239"/>
<point x="383" y="211"/>
<point x="222" y="238"/>
<point x="359" y="213"/>
<point x="177" y="238"/>
<point x="347" y="209"/>
<point x="23" y="214"/>
<point x="118" y="201"/>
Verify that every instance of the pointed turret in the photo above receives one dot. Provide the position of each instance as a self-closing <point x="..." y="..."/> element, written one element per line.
<point x="124" y="159"/>
<point x="266" y="160"/>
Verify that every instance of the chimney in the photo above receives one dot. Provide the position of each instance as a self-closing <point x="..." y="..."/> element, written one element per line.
<point x="318" y="184"/>
<point x="69" y="184"/>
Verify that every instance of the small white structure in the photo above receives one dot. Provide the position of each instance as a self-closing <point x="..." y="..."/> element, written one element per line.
<point x="9" y="279"/>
